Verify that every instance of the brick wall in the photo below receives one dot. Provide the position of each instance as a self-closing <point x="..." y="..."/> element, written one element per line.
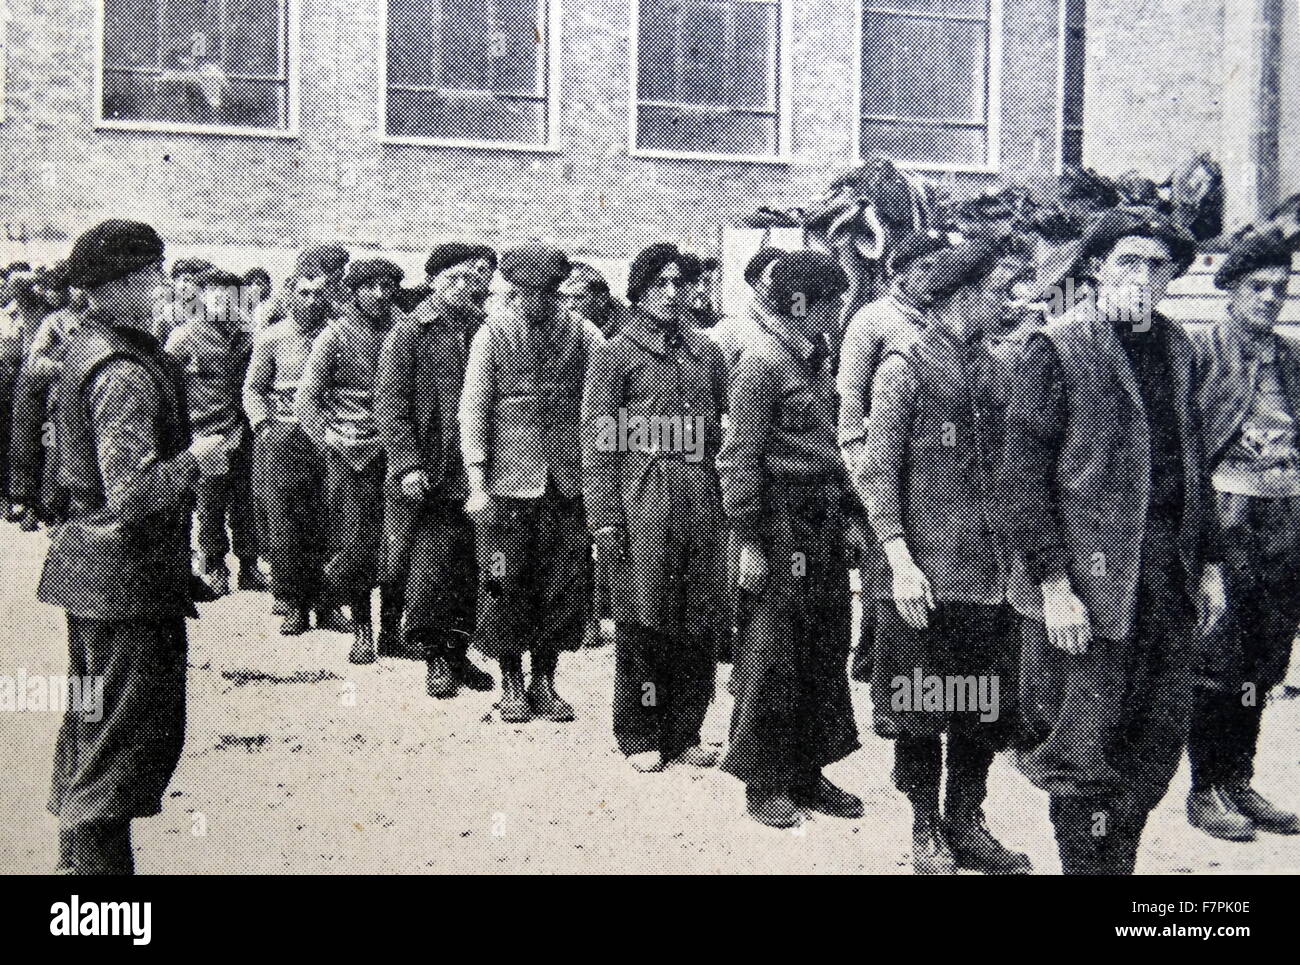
<point x="336" y="179"/>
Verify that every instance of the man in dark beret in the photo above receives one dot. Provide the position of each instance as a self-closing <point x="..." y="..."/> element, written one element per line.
<point x="519" y="435"/>
<point x="1248" y="398"/>
<point x="429" y="541"/>
<point x="785" y="493"/>
<point x="336" y="406"/>
<point x="214" y="350"/>
<point x="651" y="418"/>
<point x="289" y="468"/>
<point x="938" y="584"/>
<point x="120" y="564"/>
<point x="1116" y="554"/>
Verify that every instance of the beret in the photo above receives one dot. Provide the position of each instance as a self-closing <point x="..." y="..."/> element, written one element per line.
<point x="647" y="265"/>
<point x="1101" y="237"/>
<point x="217" y="278"/>
<point x="756" y="265"/>
<point x="914" y="245"/>
<point x="954" y="268"/>
<point x="111" y="250"/>
<point x="257" y="274"/>
<point x="692" y="267"/>
<point x="1256" y="250"/>
<point x="534" y="266"/>
<point x="454" y="253"/>
<point x="368" y="270"/>
<point x="190" y="266"/>
<point x="321" y="260"/>
<point x="812" y="274"/>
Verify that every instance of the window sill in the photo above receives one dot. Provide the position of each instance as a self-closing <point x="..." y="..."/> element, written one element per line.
<point x="220" y="130"/>
<point x="654" y="154"/>
<point x="471" y="144"/>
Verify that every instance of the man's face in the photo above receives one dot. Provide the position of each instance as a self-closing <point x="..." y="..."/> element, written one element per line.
<point x="1256" y="300"/>
<point x="375" y="298"/>
<point x="219" y="302"/>
<point x="585" y="300"/>
<point x="311" y="300"/>
<point x="465" y="285"/>
<point x="185" y="285"/>
<point x="916" y="276"/>
<point x="666" y="297"/>
<point x="130" y="300"/>
<point x="1133" y="279"/>
<point x="536" y="304"/>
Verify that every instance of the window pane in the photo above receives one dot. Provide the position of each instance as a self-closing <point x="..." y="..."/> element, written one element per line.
<point x="516" y="47"/>
<point x="425" y="114"/>
<point x="755" y="70"/>
<point x="131" y="33"/>
<point x="657" y="60"/>
<point x="463" y="45"/>
<point x="931" y="145"/>
<point x="1072" y="146"/>
<point x="923" y="68"/>
<point x="669" y="129"/>
<point x="410" y="42"/>
<point x="191" y="34"/>
<point x="253" y="38"/>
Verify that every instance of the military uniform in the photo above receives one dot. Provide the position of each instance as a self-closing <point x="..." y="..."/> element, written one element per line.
<point x="662" y="495"/>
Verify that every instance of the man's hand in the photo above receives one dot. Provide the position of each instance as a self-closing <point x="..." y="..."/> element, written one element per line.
<point x="211" y="455"/>
<point x="1212" y="602"/>
<point x="611" y="543"/>
<point x="913" y="595"/>
<point x="753" y="567"/>
<point x="1069" y="627"/>
<point x="415" y="484"/>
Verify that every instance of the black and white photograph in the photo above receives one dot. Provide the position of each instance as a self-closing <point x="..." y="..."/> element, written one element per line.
<point x="646" y="437"/>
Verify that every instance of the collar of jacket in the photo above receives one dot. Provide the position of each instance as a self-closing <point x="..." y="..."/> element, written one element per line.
<point x="1260" y="350"/>
<point x="646" y="331"/>
<point x="905" y="303"/>
<point x="432" y="310"/>
<point x="796" y="343"/>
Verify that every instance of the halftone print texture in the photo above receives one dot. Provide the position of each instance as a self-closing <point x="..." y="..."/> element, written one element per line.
<point x="789" y="477"/>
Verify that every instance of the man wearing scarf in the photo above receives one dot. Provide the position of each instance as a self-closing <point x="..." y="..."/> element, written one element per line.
<point x="120" y="564"/>
<point x="1115" y="543"/>
<point x="786" y="494"/>
<point x="655" y="511"/>
<point x="429" y="541"/>
<point x="519" y="434"/>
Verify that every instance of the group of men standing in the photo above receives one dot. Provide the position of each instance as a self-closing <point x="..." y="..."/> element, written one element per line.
<point x="1059" y="505"/>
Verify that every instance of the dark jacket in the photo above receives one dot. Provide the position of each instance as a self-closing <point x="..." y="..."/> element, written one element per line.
<point x="1228" y="379"/>
<point x="123" y="437"/>
<point x="215" y="362"/>
<point x="652" y="482"/>
<point x="519" y="408"/>
<point x="931" y="468"/>
<point x="1091" y="496"/>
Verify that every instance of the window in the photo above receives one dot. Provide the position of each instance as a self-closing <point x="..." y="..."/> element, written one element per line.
<point x="205" y="65"/>
<point x="1073" y="63"/>
<point x="928" y="97"/>
<point x="476" y="72"/>
<point x="710" y="78"/>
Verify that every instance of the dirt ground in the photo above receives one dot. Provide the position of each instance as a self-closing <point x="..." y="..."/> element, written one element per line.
<point x="297" y="762"/>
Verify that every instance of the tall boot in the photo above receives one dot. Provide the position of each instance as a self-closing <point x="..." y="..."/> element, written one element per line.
<point x="440" y="681"/>
<point x="251" y="576"/>
<point x="513" y="705"/>
<point x="546" y="703"/>
<point x="390" y="642"/>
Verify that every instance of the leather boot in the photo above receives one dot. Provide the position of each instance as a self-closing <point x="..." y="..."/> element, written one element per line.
<point x="1213" y="811"/>
<point x="514" y="706"/>
<point x="772" y="806"/>
<point x="819" y="794"/>
<point x="295" y="621"/>
<point x="30" y="522"/>
<point x="1265" y="815"/>
<point x="546" y="703"/>
<point x="974" y="847"/>
<point x="931" y="854"/>
<point x="279" y="606"/>
<point x="363" y="644"/>
<point x="440" y="681"/>
<point x="466" y="672"/>
<point x="251" y="578"/>
<point x="332" y="618"/>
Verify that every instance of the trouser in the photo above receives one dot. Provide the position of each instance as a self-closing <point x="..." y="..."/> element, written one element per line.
<point x="1122" y="724"/>
<point x="534" y="559"/>
<point x="793" y="713"/>
<point x="295" y="526"/>
<point x="8" y="378"/>
<point x="228" y="497"/>
<point x="918" y="766"/>
<point x="1223" y="737"/>
<point x="662" y="689"/>
<point x="440" y="583"/>
<point x="116" y="765"/>
<point x="354" y="513"/>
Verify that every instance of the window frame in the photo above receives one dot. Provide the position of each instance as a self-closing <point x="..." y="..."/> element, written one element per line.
<point x="992" y="163"/>
<point x="554" y="57"/>
<point x="1063" y="27"/>
<point x="784" y="99"/>
<point x="293" y="102"/>
<point x="4" y="60"/>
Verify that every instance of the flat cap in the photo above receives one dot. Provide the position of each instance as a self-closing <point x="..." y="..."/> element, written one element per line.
<point x="1256" y="250"/>
<point x="954" y="268"/>
<point x="649" y="262"/>
<point x="368" y="270"/>
<point x="812" y="274"/>
<point x="321" y="260"/>
<point x="916" y="244"/>
<point x="1101" y="237"/>
<point x="453" y="253"/>
<point x="111" y="250"/>
<point x="534" y="266"/>
<point x="758" y="263"/>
